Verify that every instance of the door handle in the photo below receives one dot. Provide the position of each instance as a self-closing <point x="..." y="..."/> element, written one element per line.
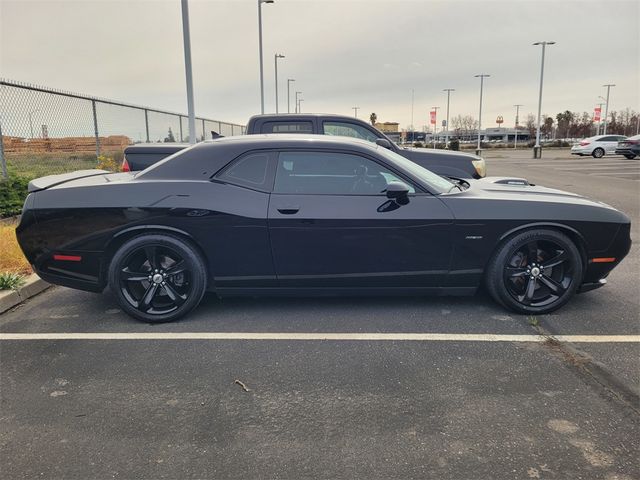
<point x="288" y="210"/>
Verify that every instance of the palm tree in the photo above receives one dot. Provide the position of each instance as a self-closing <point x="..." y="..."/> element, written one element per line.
<point x="373" y="118"/>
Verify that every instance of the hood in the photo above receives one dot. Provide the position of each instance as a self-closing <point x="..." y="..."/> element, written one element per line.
<point x="518" y="189"/>
<point x="437" y="152"/>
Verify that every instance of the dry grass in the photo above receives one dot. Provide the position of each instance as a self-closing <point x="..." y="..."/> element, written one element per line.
<point x="11" y="257"/>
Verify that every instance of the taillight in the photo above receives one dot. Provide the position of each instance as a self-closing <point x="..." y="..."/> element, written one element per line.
<point x="125" y="166"/>
<point x="582" y="144"/>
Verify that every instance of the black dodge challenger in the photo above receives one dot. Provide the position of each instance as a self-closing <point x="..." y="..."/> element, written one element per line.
<point x="280" y="214"/>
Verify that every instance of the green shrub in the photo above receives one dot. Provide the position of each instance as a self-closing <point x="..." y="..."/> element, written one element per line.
<point x="13" y="191"/>
<point x="454" y="144"/>
<point x="418" y="144"/>
<point x="11" y="281"/>
<point x="108" y="163"/>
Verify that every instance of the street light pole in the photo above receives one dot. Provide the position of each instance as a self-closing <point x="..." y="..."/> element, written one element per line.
<point x="186" y="37"/>
<point x="275" y="59"/>
<point x="600" y="120"/>
<point x="289" y="80"/>
<point x="435" y="125"/>
<point x="355" y="109"/>
<point x="297" y="104"/>
<point x="606" y="107"/>
<point x="260" y="2"/>
<point x="515" y="144"/>
<point x="448" y="90"/>
<point x="537" y="148"/>
<point x="482" y="77"/>
<point x="412" y="129"/>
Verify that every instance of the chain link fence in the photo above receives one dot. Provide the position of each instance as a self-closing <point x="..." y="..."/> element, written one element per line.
<point x="45" y="131"/>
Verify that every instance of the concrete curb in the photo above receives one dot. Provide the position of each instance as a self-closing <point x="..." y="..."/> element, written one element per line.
<point x="33" y="286"/>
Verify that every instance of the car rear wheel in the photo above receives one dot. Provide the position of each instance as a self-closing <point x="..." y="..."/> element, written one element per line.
<point x="598" y="153"/>
<point x="630" y="156"/>
<point x="157" y="278"/>
<point x="535" y="272"/>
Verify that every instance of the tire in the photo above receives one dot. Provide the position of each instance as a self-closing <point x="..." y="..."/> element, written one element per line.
<point x="535" y="271"/>
<point x="157" y="278"/>
<point x="598" y="153"/>
<point x="630" y="156"/>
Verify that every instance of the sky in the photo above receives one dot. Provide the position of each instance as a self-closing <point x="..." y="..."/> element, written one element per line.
<point x="371" y="54"/>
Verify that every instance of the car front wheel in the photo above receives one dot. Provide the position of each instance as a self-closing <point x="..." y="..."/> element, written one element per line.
<point x="535" y="272"/>
<point x="598" y="153"/>
<point x="157" y="278"/>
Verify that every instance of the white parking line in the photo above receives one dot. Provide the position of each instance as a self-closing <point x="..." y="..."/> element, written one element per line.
<point x="421" y="337"/>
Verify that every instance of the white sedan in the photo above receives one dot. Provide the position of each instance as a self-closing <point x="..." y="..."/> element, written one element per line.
<point x="597" y="146"/>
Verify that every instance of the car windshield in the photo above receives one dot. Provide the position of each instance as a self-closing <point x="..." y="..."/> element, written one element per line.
<point x="435" y="182"/>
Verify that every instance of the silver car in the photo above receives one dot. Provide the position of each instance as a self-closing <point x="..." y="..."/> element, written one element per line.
<point x="597" y="146"/>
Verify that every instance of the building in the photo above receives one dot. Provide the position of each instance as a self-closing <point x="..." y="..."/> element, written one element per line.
<point x="387" y="127"/>
<point x="506" y="135"/>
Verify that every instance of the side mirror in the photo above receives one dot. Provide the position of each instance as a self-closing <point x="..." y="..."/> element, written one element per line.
<point x="383" y="142"/>
<point x="397" y="190"/>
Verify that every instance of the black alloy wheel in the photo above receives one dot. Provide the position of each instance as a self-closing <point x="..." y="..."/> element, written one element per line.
<point x="598" y="153"/>
<point x="157" y="278"/>
<point x="536" y="271"/>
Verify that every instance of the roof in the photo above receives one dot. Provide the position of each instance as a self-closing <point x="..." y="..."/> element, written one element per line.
<point x="276" y="140"/>
<point x="204" y="159"/>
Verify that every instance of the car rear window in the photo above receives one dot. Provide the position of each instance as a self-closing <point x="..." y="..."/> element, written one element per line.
<point x="287" y="127"/>
<point x="248" y="171"/>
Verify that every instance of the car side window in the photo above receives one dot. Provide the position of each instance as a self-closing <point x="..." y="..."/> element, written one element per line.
<point x="248" y="171"/>
<point x="287" y="127"/>
<point x="608" y="139"/>
<point x="345" y="129"/>
<point x="331" y="173"/>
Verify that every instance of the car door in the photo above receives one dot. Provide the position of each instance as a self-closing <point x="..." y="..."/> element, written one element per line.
<point x="609" y="143"/>
<point x="237" y="235"/>
<point x="332" y="225"/>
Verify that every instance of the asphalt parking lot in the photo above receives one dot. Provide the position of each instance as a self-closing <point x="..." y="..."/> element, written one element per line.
<point x="336" y="388"/>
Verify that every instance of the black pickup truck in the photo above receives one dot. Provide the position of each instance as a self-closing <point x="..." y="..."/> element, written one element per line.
<point x="443" y="162"/>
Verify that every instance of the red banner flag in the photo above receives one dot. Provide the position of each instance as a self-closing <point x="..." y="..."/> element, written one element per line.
<point x="433" y="117"/>
<point x="596" y="114"/>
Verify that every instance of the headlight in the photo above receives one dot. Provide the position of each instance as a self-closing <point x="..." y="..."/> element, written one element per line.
<point x="480" y="166"/>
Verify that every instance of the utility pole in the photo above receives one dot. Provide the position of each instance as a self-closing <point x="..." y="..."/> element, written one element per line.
<point x="260" y="2"/>
<point x="435" y="126"/>
<point x="355" y="109"/>
<point x="606" y="111"/>
<point x="600" y="119"/>
<point x="297" y="103"/>
<point x="275" y="59"/>
<point x="412" y="129"/>
<point x="537" y="150"/>
<point x="482" y="77"/>
<point x="448" y="90"/>
<point x="289" y="80"/>
<point x="515" y="144"/>
<point x="186" y="37"/>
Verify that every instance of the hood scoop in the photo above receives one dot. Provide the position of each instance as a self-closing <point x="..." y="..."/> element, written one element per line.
<point x="515" y="181"/>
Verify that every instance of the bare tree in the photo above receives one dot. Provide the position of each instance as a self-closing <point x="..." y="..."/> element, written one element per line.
<point x="464" y="126"/>
<point x="531" y="125"/>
